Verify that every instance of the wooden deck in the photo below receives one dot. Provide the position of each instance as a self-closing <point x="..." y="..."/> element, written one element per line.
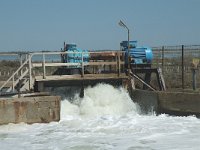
<point x="79" y="77"/>
<point x="78" y="80"/>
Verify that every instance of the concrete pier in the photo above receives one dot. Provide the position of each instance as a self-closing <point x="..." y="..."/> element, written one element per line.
<point x="41" y="109"/>
<point x="173" y="103"/>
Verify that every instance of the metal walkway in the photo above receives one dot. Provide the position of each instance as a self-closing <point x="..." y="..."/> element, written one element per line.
<point x="112" y="71"/>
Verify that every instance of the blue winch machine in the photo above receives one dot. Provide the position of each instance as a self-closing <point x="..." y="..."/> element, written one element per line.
<point x="136" y="55"/>
<point x="74" y="55"/>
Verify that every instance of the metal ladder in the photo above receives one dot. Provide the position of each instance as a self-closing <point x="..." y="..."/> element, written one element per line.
<point x="21" y="80"/>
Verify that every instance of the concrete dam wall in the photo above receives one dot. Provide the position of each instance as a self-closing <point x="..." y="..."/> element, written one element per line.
<point x="173" y="103"/>
<point x="41" y="109"/>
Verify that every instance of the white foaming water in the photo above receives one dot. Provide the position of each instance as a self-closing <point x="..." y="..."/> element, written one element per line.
<point x="100" y="101"/>
<point x="105" y="118"/>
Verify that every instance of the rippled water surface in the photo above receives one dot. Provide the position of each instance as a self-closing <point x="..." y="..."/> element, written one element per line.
<point x="105" y="118"/>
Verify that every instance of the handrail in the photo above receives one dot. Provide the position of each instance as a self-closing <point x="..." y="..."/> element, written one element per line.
<point x="28" y="61"/>
<point x="12" y="77"/>
<point x="75" y="64"/>
<point x="18" y="80"/>
<point x="116" y="61"/>
<point x="57" y="53"/>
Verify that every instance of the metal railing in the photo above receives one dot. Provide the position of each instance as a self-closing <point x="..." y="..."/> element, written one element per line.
<point x="18" y="75"/>
<point x="117" y="62"/>
<point x="28" y="64"/>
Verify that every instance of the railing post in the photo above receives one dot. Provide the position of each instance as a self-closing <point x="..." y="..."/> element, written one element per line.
<point x="30" y="70"/>
<point x="194" y="81"/>
<point x="183" y="86"/>
<point x="119" y="63"/>
<point x="195" y="63"/>
<point x="13" y="80"/>
<point x="43" y="65"/>
<point x="20" y="55"/>
<point x="82" y="65"/>
<point x="163" y="56"/>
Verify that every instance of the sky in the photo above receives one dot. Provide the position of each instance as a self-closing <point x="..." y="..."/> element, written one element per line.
<point x="32" y="25"/>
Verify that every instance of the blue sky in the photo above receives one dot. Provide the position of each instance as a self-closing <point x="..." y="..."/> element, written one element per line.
<point x="93" y="24"/>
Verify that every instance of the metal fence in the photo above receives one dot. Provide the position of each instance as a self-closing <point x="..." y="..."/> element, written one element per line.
<point x="177" y="63"/>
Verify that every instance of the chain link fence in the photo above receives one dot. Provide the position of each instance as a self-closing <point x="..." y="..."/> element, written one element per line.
<point x="178" y="65"/>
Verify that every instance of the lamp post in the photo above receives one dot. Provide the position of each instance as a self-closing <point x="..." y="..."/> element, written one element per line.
<point x="122" y="24"/>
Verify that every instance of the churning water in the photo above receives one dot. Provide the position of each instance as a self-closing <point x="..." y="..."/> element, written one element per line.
<point x="104" y="119"/>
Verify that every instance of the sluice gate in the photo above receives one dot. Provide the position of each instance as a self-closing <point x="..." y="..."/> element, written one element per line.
<point x="86" y="69"/>
<point x="82" y="68"/>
